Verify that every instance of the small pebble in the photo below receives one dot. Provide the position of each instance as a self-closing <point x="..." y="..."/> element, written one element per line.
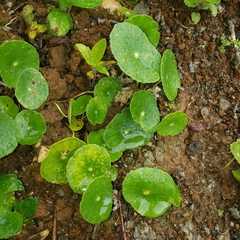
<point x="224" y="104"/>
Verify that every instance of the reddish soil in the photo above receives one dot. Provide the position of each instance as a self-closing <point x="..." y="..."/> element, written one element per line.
<point x="209" y="96"/>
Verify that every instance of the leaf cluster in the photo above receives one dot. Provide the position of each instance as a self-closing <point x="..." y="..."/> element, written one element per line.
<point x="202" y="5"/>
<point x="19" y="70"/>
<point x="13" y="213"/>
<point x="88" y="167"/>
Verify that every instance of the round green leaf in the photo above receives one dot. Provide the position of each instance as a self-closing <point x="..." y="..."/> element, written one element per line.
<point x="107" y="87"/>
<point x="172" y="124"/>
<point x="79" y="106"/>
<point x="9" y="134"/>
<point x="192" y="3"/>
<point x="124" y="133"/>
<point x="10" y="224"/>
<point x="169" y="75"/>
<point x="10" y="183"/>
<point x="148" y="26"/>
<point x="150" y="191"/>
<point x="28" y="206"/>
<point x="96" y="204"/>
<point x="236" y="174"/>
<point x="144" y="110"/>
<point x="136" y="56"/>
<point x="59" y="22"/>
<point x="15" y="57"/>
<point x="97" y="109"/>
<point x="8" y="106"/>
<point x="235" y="149"/>
<point x="87" y="163"/>
<point x="31" y="89"/>
<point x="96" y="137"/>
<point x="195" y="17"/>
<point x="31" y="126"/>
<point x="53" y="167"/>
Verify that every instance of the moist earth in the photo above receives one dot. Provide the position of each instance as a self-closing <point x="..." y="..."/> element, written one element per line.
<point x="209" y="95"/>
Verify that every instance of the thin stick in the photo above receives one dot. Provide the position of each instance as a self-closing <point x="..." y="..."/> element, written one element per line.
<point x="224" y="167"/>
<point x="122" y="221"/>
<point x="54" y="234"/>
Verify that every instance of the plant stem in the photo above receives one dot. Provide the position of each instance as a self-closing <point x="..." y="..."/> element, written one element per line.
<point x="155" y="85"/>
<point x="122" y="222"/>
<point x="224" y="167"/>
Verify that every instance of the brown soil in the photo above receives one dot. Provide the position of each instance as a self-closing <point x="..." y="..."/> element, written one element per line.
<point x="209" y="96"/>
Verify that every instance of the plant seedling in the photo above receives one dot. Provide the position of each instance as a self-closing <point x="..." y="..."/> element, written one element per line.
<point x="227" y="43"/>
<point x="34" y="28"/>
<point x="93" y="57"/>
<point x="202" y="5"/>
<point x="13" y="213"/>
<point x="235" y="149"/>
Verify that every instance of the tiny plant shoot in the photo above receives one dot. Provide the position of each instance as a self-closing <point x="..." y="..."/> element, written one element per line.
<point x="14" y="213"/>
<point x="201" y="5"/>
<point x="93" y="57"/>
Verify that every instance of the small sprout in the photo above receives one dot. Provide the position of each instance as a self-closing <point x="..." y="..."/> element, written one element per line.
<point x="93" y="57"/>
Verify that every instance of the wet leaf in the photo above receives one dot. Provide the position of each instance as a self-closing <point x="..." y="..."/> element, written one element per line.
<point x="87" y="163"/>
<point x="15" y="57"/>
<point x="31" y="89"/>
<point x="150" y="191"/>
<point x="80" y="104"/>
<point x="96" y="137"/>
<point x="96" y="204"/>
<point x="124" y="133"/>
<point x="148" y="26"/>
<point x="97" y="109"/>
<point x="108" y="88"/>
<point x="144" y="110"/>
<point x="31" y="126"/>
<point x="172" y="124"/>
<point x="53" y="167"/>
<point x="136" y="56"/>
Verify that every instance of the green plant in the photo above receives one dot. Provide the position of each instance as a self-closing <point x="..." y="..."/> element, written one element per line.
<point x="19" y="70"/>
<point x="235" y="150"/>
<point x="227" y="43"/>
<point x="93" y="57"/>
<point x="87" y="167"/>
<point x="34" y="28"/>
<point x="202" y="5"/>
<point x="14" y="213"/>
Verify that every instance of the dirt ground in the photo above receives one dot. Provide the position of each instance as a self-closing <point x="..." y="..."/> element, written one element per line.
<point x="209" y="96"/>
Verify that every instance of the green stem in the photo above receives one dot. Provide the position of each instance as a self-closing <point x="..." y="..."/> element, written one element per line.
<point x="224" y="167"/>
